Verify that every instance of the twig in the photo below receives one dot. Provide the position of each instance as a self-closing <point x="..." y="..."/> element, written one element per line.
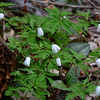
<point x="92" y="3"/>
<point x="73" y="1"/>
<point x="65" y="5"/>
<point x="79" y="2"/>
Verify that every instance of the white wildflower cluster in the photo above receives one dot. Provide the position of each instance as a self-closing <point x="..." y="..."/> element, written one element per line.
<point x="55" y="49"/>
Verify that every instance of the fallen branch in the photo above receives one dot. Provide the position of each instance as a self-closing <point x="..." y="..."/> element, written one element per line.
<point x="68" y="5"/>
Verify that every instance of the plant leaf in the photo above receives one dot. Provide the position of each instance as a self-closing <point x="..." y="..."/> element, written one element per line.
<point x="59" y="84"/>
<point x="80" y="47"/>
<point x="71" y="77"/>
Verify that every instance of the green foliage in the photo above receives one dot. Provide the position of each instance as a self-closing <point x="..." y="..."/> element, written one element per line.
<point x="34" y="81"/>
<point x="2" y="5"/>
<point x="81" y="90"/>
<point x="80" y="48"/>
<point x="94" y="55"/>
<point x="73" y="75"/>
<point x="56" y="21"/>
<point x="76" y="88"/>
<point x="84" y="22"/>
<point x="59" y="84"/>
<point x="36" y="78"/>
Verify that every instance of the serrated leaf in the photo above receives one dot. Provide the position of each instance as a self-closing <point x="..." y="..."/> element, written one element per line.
<point x="70" y="96"/>
<point x="2" y="4"/>
<point x="15" y="73"/>
<point x="45" y="62"/>
<point x="82" y="94"/>
<point x="32" y="22"/>
<point x="86" y="81"/>
<point x="81" y="20"/>
<point x="50" y="80"/>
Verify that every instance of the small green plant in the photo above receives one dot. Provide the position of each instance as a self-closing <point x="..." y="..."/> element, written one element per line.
<point x="81" y="90"/>
<point x="75" y="87"/>
<point x="94" y="55"/>
<point x="85" y="21"/>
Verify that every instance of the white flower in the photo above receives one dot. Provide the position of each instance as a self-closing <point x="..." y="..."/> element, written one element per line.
<point x="97" y="91"/>
<point x="58" y="62"/>
<point x="40" y="32"/>
<point x="98" y="62"/>
<point x="27" y="61"/>
<point x="55" y="48"/>
<point x="1" y="16"/>
<point x="64" y="17"/>
<point x="98" y="29"/>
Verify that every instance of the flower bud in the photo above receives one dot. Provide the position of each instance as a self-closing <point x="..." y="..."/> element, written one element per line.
<point x="27" y="61"/>
<point x="55" y="48"/>
<point x="98" y="29"/>
<point x="40" y="32"/>
<point x="98" y="62"/>
<point x="58" y="62"/>
<point x="1" y="16"/>
<point x="97" y="91"/>
<point x="64" y="17"/>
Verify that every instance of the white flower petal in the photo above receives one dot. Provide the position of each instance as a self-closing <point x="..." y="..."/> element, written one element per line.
<point x="1" y="16"/>
<point x="98" y="29"/>
<point x="64" y="17"/>
<point x="40" y="32"/>
<point x="97" y="91"/>
<point x="98" y="62"/>
<point x="58" y="62"/>
<point x="27" y="61"/>
<point x="55" y="48"/>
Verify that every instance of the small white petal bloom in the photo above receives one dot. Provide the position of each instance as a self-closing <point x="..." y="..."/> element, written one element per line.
<point x="1" y="16"/>
<point x="98" y="62"/>
<point x="40" y="32"/>
<point x="98" y="29"/>
<point x="27" y="61"/>
<point x="97" y="91"/>
<point x="58" y="62"/>
<point x="55" y="48"/>
<point x="64" y="17"/>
